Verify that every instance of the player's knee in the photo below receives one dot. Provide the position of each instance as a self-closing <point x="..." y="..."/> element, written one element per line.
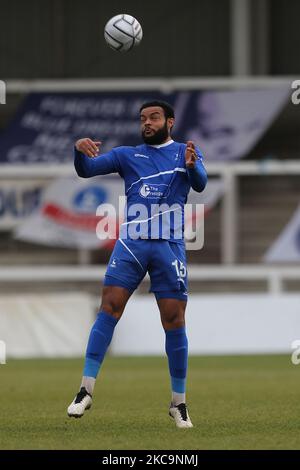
<point x="112" y="306"/>
<point x="173" y="320"/>
<point x="113" y="301"/>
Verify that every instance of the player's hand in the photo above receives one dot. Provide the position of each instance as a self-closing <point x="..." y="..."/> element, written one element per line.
<point x="190" y="155"/>
<point x="88" y="147"/>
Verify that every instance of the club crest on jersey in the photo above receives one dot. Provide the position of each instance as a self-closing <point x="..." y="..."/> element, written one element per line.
<point x="113" y="264"/>
<point x="154" y="191"/>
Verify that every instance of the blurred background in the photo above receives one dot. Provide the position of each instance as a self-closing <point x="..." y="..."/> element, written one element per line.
<point x="228" y="68"/>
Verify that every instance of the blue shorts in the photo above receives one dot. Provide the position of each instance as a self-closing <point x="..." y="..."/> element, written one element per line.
<point x="165" y="262"/>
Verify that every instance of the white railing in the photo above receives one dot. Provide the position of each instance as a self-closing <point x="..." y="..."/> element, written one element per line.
<point x="229" y="172"/>
<point x="273" y="276"/>
<point x="249" y="167"/>
<point x="140" y="84"/>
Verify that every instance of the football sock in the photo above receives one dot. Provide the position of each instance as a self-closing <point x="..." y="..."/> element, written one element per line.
<point x="88" y="383"/>
<point x="178" y="398"/>
<point x="99" y="340"/>
<point x="177" y="352"/>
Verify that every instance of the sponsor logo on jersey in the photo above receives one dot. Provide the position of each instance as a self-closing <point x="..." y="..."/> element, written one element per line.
<point x="154" y="191"/>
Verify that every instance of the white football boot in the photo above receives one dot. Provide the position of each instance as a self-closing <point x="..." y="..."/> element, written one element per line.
<point x="180" y="415"/>
<point x="82" y="402"/>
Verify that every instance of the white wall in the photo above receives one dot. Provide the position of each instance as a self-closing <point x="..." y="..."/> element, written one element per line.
<point x="49" y="325"/>
<point x="216" y="324"/>
<point x="58" y="325"/>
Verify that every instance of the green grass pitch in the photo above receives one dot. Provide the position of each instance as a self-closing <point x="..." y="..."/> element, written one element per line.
<point x="235" y="402"/>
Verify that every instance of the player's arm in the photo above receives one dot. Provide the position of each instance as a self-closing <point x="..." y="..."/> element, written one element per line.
<point x="195" y="168"/>
<point x="89" y="163"/>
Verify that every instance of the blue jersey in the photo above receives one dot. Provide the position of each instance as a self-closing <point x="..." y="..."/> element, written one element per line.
<point x="157" y="184"/>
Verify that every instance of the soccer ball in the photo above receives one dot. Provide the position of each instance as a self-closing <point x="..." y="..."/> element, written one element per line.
<point x="123" y="32"/>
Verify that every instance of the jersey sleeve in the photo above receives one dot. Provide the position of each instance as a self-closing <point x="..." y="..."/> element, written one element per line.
<point x="104" y="164"/>
<point x="198" y="175"/>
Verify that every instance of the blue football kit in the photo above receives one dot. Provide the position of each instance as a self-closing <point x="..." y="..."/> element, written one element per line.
<point x="157" y="183"/>
<point x="151" y="240"/>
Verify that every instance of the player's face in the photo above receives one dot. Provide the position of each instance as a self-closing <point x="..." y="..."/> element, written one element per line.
<point x="154" y="126"/>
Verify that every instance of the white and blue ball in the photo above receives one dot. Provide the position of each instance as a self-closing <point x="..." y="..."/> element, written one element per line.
<point x="123" y="32"/>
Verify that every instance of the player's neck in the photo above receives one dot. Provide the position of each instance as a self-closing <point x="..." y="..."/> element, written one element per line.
<point x="164" y="144"/>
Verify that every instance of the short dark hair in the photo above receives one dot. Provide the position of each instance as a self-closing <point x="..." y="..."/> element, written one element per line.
<point x="168" y="110"/>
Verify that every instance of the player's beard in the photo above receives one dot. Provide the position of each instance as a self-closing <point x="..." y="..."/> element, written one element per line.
<point x="158" y="137"/>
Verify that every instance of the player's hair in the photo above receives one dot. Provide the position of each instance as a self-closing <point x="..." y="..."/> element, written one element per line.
<point x="168" y="110"/>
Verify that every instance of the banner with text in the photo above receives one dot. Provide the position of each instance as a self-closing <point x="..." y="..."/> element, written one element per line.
<point x="225" y="124"/>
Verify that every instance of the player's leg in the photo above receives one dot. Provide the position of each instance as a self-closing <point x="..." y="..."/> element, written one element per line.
<point x="114" y="299"/>
<point x="172" y="312"/>
<point x="168" y="275"/>
<point x="124" y="273"/>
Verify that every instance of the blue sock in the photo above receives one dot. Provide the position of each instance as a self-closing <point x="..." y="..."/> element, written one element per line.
<point x="99" y="340"/>
<point x="177" y="352"/>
